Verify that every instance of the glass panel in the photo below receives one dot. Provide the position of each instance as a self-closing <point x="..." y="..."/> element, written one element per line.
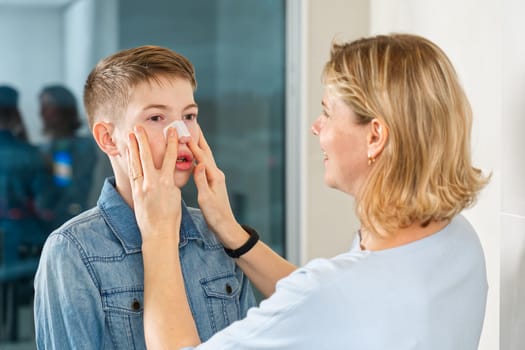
<point x="238" y="49"/>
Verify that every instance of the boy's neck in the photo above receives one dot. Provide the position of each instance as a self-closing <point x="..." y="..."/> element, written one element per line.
<point x="123" y="187"/>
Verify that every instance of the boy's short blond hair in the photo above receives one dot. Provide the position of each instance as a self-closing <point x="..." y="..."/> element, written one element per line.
<point x="109" y="84"/>
<point x="425" y="171"/>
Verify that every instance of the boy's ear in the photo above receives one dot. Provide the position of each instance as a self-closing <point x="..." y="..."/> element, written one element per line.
<point x="377" y="138"/>
<point x="103" y="134"/>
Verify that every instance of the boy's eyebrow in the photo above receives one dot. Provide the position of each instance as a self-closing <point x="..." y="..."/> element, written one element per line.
<point x="192" y="105"/>
<point x="159" y="106"/>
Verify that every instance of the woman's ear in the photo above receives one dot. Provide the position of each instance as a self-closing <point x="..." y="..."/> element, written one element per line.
<point x="377" y="138"/>
<point x="103" y="134"/>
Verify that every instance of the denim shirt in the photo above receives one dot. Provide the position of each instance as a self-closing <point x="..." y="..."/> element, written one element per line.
<point x="89" y="287"/>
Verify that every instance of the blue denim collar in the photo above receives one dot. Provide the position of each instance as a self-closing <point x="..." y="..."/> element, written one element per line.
<point x="121" y="219"/>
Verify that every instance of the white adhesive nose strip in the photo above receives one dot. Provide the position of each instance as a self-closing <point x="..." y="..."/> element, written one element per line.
<point x="182" y="130"/>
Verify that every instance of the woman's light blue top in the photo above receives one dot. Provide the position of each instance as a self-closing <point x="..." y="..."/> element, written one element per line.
<point x="429" y="294"/>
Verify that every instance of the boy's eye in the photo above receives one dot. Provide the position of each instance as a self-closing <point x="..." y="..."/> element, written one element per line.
<point x="190" y="117"/>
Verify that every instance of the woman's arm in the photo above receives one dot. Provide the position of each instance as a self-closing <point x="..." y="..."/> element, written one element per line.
<point x="168" y="322"/>
<point x="261" y="264"/>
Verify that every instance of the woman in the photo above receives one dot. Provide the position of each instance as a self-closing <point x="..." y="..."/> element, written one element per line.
<point x="395" y="133"/>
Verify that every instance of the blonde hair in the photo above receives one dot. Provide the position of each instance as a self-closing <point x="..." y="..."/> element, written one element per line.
<point x="109" y="84"/>
<point x="424" y="173"/>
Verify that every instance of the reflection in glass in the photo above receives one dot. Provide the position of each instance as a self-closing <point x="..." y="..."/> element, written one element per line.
<point x="237" y="47"/>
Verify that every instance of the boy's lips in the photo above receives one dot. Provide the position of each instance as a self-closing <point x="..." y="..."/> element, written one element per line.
<point x="184" y="161"/>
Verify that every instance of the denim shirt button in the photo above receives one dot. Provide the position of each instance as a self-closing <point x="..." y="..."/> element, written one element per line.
<point x="135" y="305"/>
<point x="229" y="289"/>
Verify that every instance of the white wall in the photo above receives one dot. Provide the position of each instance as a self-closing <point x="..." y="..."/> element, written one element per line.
<point x="513" y="175"/>
<point x="53" y="42"/>
<point x="31" y="42"/>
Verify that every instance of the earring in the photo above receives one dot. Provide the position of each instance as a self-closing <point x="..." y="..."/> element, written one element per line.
<point x="371" y="159"/>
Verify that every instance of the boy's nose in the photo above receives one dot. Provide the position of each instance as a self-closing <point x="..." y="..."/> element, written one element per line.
<point x="184" y="139"/>
<point x="182" y="130"/>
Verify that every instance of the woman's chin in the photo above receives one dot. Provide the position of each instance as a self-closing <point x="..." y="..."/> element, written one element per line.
<point x="330" y="182"/>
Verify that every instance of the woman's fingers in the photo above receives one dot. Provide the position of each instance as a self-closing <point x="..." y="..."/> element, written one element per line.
<point x="134" y="163"/>
<point x="201" y="151"/>
<point x="206" y="170"/>
<point x="198" y="153"/>
<point x="201" y="181"/>
<point x="156" y="198"/>
<point x="144" y="152"/>
<point x="170" y="157"/>
<point x="135" y="170"/>
<point x="203" y="144"/>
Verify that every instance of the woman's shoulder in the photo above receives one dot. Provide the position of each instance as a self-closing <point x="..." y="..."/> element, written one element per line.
<point x="458" y="237"/>
<point x="457" y="243"/>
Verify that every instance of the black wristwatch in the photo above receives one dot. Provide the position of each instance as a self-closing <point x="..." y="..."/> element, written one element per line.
<point x="245" y="248"/>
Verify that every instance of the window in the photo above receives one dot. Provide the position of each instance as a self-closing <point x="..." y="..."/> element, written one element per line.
<point x="238" y="49"/>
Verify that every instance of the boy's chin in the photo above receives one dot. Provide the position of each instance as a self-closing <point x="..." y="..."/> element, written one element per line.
<point x="181" y="179"/>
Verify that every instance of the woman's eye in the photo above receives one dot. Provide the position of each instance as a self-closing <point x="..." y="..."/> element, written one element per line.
<point x="190" y="117"/>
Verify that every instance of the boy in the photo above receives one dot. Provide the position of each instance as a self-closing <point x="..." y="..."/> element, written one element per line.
<point x="89" y="284"/>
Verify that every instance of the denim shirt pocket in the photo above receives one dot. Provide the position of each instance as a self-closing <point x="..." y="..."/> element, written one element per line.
<point x="124" y="311"/>
<point x="222" y="297"/>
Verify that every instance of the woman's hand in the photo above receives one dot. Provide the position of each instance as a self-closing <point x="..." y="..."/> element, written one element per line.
<point x="211" y="184"/>
<point x="156" y="199"/>
<point x="168" y="322"/>
<point x="261" y="264"/>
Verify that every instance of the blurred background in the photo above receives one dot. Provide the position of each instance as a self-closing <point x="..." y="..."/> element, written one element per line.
<point x="258" y="65"/>
<point x="238" y="49"/>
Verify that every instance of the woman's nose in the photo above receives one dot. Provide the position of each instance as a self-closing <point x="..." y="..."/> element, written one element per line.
<point x="315" y="127"/>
